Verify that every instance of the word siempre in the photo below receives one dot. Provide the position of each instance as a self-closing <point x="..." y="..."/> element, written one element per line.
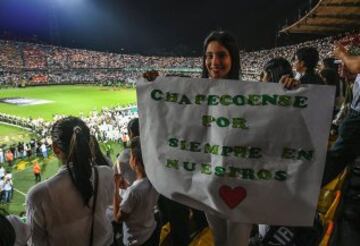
<point x="238" y="151"/>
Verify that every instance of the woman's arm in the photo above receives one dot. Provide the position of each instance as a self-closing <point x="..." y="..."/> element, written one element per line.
<point x="118" y="214"/>
<point x="351" y="62"/>
<point x="117" y="198"/>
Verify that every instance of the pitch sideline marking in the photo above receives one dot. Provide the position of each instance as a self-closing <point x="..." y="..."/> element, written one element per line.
<point x="19" y="191"/>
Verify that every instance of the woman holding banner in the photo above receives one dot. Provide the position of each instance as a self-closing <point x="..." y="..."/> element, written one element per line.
<point x="221" y="60"/>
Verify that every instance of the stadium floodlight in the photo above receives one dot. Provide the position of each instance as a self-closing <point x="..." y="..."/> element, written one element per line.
<point x="69" y="3"/>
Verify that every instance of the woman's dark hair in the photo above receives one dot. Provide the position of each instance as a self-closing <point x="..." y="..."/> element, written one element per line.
<point x="135" y="147"/>
<point x="277" y="67"/>
<point x="331" y="77"/>
<point x="229" y="42"/>
<point x="329" y="62"/>
<point x="7" y="232"/>
<point x="310" y="57"/>
<point x="98" y="157"/>
<point x="133" y="127"/>
<point x="72" y="136"/>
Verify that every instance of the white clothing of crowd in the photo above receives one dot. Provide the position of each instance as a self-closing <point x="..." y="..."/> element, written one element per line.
<point x="106" y="125"/>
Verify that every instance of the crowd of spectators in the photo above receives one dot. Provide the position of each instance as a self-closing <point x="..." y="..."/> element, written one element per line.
<point x="110" y="124"/>
<point x="28" y="63"/>
<point x="253" y="62"/>
<point x="35" y="125"/>
<point x="107" y="125"/>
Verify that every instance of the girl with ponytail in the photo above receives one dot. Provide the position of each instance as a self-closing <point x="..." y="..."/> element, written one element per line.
<point x="69" y="208"/>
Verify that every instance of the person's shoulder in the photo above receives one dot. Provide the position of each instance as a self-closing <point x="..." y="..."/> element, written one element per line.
<point x="358" y="78"/>
<point x="135" y="188"/>
<point x="124" y="156"/>
<point x="106" y="171"/>
<point x="125" y="152"/>
<point x="37" y="192"/>
<point x="105" y="168"/>
<point x="47" y="186"/>
<point x="312" y="78"/>
<point x="142" y="185"/>
<point x="108" y="161"/>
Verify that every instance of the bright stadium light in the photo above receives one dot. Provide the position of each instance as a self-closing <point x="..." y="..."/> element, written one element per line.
<point x="69" y="3"/>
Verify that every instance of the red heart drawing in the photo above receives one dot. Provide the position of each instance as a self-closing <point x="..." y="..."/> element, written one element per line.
<point x="232" y="197"/>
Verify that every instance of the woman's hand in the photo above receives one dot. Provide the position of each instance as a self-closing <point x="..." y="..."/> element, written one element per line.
<point x="288" y="82"/>
<point x="339" y="50"/>
<point x="151" y="75"/>
<point x="120" y="182"/>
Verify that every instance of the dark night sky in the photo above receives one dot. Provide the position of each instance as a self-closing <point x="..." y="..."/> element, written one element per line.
<point x="147" y="26"/>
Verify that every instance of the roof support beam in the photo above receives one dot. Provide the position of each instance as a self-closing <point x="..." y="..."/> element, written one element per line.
<point x="349" y="4"/>
<point x="337" y="16"/>
<point x="334" y="26"/>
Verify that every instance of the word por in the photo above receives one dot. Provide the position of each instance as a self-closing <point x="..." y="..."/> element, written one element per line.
<point x="207" y="121"/>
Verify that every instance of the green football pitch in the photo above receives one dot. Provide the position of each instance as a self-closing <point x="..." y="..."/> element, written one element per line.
<point x="64" y="100"/>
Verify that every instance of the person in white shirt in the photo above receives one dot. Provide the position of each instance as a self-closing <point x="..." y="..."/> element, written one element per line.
<point x="2" y="158"/>
<point x="136" y="208"/>
<point x="122" y="166"/>
<point x="70" y="207"/>
<point x="2" y="181"/>
<point x="44" y="150"/>
<point x="2" y="171"/>
<point x="7" y="189"/>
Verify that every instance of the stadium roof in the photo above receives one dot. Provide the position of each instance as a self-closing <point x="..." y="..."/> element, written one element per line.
<point x="328" y="17"/>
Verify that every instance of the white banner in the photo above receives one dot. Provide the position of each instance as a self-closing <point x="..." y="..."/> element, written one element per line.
<point x="251" y="152"/>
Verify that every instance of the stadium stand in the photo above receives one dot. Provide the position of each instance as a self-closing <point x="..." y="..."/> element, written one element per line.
<point x="37" y="64"/>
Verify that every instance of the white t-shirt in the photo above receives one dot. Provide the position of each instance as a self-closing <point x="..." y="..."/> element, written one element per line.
<point x="1" y="156"/>
<point x="355" y="105"/>
<point x="43" y="148"/>
<point x="8" y="185"/>
<point x="2" y="172"/>
<point x="8" y="176"/>
<point x="123" y="167"/>
<point x="57" y="215"/>
<point x="1" y="184"/>
<point x="139" y="201"/>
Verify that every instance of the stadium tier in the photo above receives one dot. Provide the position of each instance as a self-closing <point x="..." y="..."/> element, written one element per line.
<point x="36" y="64"/>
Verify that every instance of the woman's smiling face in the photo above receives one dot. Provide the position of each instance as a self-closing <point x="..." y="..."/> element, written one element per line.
<point x="217" y="60"/>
